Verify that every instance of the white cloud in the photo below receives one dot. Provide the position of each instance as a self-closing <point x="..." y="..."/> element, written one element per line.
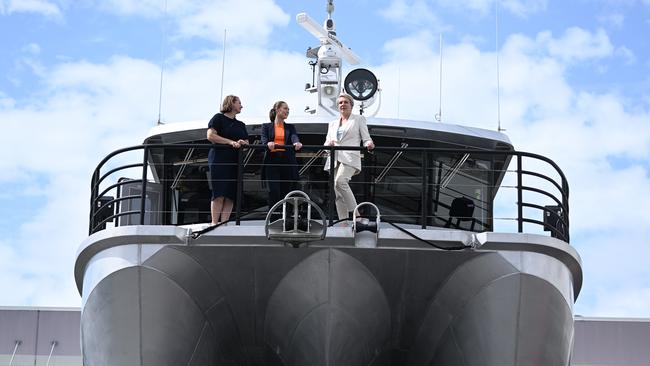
<point x="207" y="19"/>
<point x="6" y="102"/>
<point x="626" y="54"/>
<point x="614" y="20"/>
<point x="42" y="7"/>
<point x="32" y="48"/>
<point x="88" y="110"/>
<point x="617" y="284"/>
<point x="479" y="6"/>
<point x="521" y="8"/>
<point x="524" y="8"/>
<point x="413" y="47"/>
<point x="412" y="13"/>
<point x="146" y="8"/>
<point x="577" y="44"/>
<point x="582" y="131"/>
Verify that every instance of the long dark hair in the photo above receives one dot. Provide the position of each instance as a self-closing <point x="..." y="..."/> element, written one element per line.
<point x="274" y="111"/>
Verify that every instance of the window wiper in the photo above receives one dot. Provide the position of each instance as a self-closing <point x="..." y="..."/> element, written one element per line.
<point x="311" y="161"/>
<point x="183" y="164"/>
<point x="454" y="171"/>
<point x="390" y="163"/>
<point x="249" y="153"/>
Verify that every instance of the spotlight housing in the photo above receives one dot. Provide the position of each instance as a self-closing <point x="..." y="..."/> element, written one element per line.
<point x="361" y="84"/>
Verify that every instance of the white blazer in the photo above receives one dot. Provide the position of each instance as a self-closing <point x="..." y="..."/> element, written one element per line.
<point x="355" y="132"/>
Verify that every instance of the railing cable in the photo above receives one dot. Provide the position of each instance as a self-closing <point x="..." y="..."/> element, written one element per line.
<point x="458" y="247"/>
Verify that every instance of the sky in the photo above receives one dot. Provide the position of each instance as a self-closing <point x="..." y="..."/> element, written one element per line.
<point x="81" y="78"/>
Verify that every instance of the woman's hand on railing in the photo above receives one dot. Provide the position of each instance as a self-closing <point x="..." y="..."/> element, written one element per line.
<point x="239" y="143"/>
<point x="297" y="146"/>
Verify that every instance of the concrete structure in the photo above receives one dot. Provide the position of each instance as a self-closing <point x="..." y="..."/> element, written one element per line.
<point x="598" y="341"/>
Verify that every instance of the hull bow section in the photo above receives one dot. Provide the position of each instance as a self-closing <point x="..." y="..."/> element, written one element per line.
<point x="265" y="304"/>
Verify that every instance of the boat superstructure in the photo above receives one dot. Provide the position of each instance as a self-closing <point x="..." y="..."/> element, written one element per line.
<point x="432" y="277"/>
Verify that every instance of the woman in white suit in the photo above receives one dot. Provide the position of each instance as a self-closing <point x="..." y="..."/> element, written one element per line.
<point x="347" y="130"/>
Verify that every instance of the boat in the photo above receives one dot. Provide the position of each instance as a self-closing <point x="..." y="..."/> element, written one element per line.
<point x="430" y="276"/>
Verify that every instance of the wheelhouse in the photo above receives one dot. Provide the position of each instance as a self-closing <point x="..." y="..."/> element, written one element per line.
<point x="429" y="176"/>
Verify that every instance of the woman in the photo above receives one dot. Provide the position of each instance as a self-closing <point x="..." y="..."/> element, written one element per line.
<point x="280" y="165"/>
<point x="347" y="130"/>
<point x="225" y="129"/>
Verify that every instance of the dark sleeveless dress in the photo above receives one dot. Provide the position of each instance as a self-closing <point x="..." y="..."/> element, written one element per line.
<point x="223" y="161"/>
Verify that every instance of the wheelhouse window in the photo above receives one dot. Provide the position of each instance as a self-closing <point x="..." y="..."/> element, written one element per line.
<point x="426" y="188"/>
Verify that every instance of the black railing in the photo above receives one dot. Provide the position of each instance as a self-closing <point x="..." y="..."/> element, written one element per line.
<point x="436" y="169"/>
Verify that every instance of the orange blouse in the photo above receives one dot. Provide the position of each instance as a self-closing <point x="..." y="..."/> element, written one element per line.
<point x="279" y="136"/>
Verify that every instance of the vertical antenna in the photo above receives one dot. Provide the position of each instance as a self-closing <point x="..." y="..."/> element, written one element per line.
<point x="162" y="61"/>
<point x="438" y="116"/>
<point x="399" y="87"/>
<point x="496" y="37"/>
<point x="223" y="63"/>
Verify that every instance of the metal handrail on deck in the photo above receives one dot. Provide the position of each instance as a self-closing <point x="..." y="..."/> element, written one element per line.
<point x="558" y="213"/>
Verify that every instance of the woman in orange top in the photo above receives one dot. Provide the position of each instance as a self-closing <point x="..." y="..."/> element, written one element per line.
<point x="280" y="164"/>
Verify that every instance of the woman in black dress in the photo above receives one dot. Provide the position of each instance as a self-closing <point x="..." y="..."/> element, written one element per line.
<point x="225" y="129"/>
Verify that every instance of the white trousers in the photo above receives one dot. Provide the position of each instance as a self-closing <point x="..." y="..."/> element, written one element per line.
<point x="345" y="201"/>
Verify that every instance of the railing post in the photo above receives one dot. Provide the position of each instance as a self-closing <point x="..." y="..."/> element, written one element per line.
<point x="423" y="195"/>
<point x="143" y="197"/>
<point x="94" y="190"/>
<point x="520" y="197"/>
<point x="565" y="203"/>
<point x="332" y="200"/>
<point x="240" y="177"/>
<point x="437" y="194"/>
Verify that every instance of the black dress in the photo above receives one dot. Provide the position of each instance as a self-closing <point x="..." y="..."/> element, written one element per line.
<point x="223" y="161"/>
<point x="280" y="168"/>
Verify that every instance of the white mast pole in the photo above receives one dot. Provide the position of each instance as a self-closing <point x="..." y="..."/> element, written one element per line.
<point x="162" y="62"/>
<point x="399" y="87"/>
<point x="496" y="37"/>
<point x="223" y="64"/>
<point x="439" y="115"/>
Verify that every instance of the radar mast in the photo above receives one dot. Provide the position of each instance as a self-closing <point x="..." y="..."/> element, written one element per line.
<point x="329" y="55"/>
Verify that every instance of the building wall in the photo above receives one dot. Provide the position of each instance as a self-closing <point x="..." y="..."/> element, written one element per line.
<point x="44" y="331"/>
<point x="36" y="336"/>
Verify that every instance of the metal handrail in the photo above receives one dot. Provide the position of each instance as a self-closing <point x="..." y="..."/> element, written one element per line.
<point x="426" y="212"/>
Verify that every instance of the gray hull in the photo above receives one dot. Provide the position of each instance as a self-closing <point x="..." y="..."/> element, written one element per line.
<point x="324" y="305"/>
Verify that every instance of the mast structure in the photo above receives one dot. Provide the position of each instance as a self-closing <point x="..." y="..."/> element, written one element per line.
<point x="327" y="65"/>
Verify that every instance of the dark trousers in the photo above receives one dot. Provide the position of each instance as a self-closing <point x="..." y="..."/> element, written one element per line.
<point x="280" y="177"/>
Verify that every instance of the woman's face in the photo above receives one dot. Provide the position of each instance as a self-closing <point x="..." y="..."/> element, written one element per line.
<point x="283" y="111"/>
<point x="344" y="106"/>
<point x="236" y="106"/>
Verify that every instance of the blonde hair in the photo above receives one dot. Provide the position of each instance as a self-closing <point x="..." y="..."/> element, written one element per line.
<point x="348" y="97"/>
<point x="274" y="111"/>
<point x="228" y="103"/>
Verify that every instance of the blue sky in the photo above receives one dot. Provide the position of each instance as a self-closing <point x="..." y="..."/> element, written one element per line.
<point x="80" y="79"/>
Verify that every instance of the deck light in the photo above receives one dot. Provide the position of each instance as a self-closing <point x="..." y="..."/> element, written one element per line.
<point x="361" y="84"/>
